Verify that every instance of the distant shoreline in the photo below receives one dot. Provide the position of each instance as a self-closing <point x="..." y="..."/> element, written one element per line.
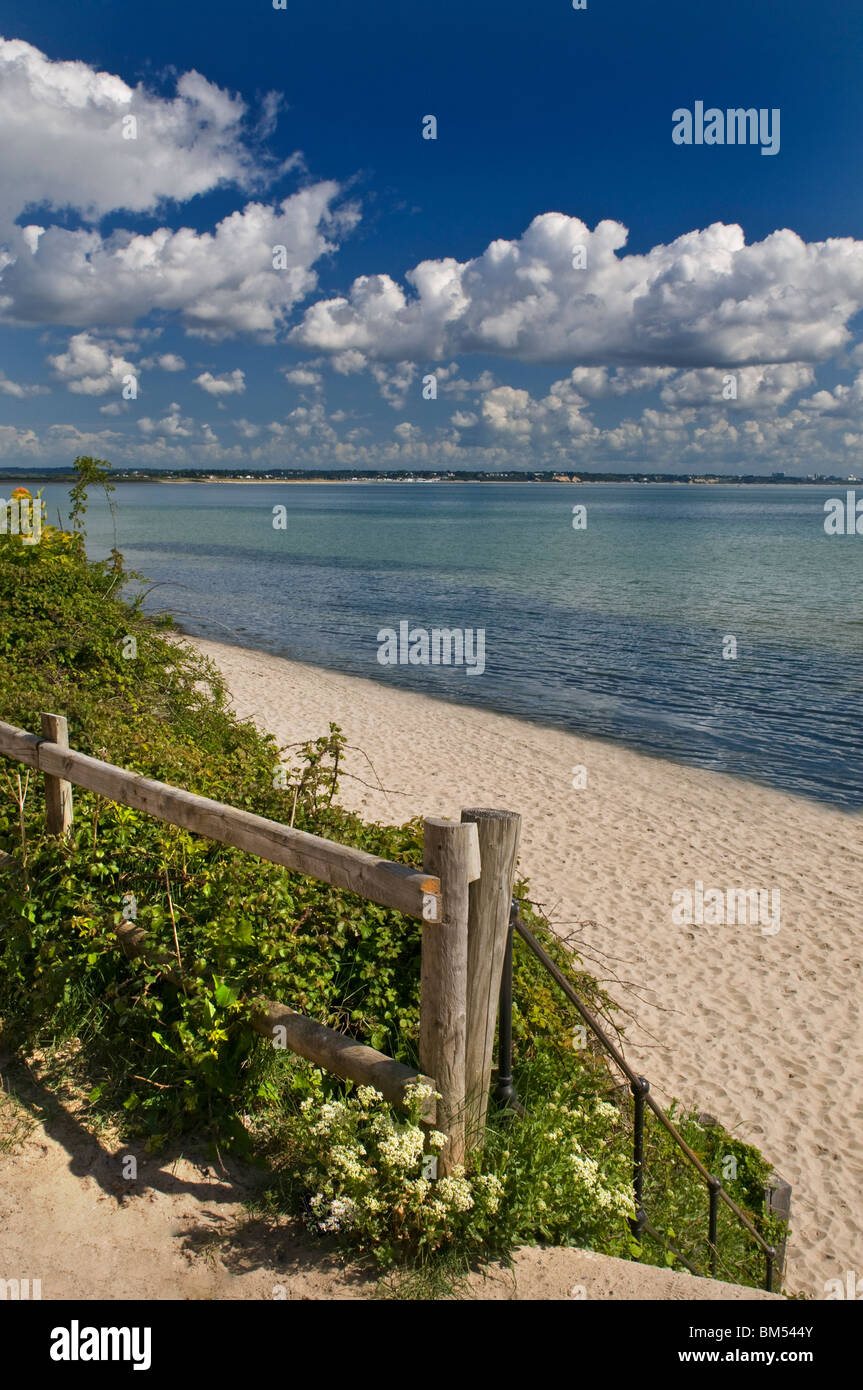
<point x="516" y="482"/>
<point x="19" y="477"/>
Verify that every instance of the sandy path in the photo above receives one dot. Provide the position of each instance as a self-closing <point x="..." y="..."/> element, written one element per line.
<point x="762" y="1030"/>
<point x="71" y="1218"/>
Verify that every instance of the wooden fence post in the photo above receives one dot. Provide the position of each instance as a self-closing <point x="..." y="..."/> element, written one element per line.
<point x="58" y="792"/>
<point x="488" y="925"/>
<point x="451" y="853"/>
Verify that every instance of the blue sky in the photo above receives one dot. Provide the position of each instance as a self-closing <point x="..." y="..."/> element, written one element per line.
<point x="586" y="292"/>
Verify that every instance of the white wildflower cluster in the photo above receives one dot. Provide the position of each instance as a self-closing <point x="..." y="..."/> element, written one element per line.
<point x="608" y="1198"/>
<point x="342" y="1214"/>
<point x="454" y="1191"/>
<point x="401" y="1148"/>
<point x="418" y="1188"/>
<point x="329" y="1116"/>
<point x="602" y="1109"/>
<point x="347" y="1161"/>
<point x="491" y="1189"/>
<point x="368" y="1096"/>
<point x="364" y="1166"/>
<point x="418" y="1092"/>
<point x="606" y="1111"/>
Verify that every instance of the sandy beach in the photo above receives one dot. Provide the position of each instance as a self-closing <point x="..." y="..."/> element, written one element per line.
<point x="760" y="1027"/>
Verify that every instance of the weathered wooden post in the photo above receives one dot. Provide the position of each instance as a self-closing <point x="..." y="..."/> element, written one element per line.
<point x="451" y="853"/>
<point x="488" y="924"/>
<point x="58" y="792"/>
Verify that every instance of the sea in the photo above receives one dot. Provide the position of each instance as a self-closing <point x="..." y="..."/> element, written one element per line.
<point x="719" y="625"/>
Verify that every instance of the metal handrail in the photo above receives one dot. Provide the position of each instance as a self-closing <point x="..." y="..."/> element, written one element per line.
<point x="506" y="1094"/>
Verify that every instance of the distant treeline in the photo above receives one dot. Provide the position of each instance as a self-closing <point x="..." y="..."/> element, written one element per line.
<point x="198" y="475"/>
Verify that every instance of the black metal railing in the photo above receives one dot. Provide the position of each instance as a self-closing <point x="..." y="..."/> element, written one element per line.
<point x="506" y="1094"/>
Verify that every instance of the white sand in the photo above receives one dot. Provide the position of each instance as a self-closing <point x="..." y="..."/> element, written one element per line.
<point x="762" y="1031"/>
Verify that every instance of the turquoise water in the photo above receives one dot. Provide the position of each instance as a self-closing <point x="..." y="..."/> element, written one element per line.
<point x="616" y="630"/>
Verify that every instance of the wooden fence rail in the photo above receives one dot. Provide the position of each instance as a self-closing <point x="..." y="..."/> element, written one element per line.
<point x="461" y="896"/>
<point x="381" y="881"/>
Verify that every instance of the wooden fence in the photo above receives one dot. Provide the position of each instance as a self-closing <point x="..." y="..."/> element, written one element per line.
<point x="462" y="897"/>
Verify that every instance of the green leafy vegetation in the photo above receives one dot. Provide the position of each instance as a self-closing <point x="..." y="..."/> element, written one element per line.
<point x="166" y="1060"/>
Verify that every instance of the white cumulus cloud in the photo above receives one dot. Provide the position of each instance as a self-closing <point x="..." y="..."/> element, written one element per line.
<point x="394" y="384"/>
<point x="173" y="424"/>
<point x="220" y="283"/>
<point x="763" y="387"/>
<point x="705" y="299"/>
<point x="18" y="391"/>
<point x="347" y="362"/>
<point x="64" y="138"/>
<point x="303" y="376"/>
<point x="165" y="362"/>
<point x="227" y="384"/>
<point x="91" y="368"/>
